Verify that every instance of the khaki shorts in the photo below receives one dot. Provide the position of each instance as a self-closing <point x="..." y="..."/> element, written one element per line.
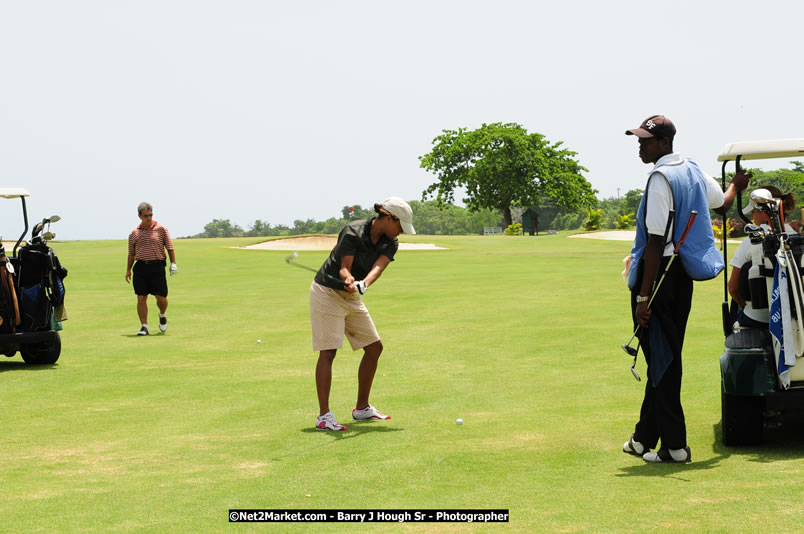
<point x="334" y="313"/>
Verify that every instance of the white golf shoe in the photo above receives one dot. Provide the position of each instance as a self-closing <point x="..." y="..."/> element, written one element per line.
<point x="328" y="422"/>
<point x="634" y="447"/>
<point x="369" y="413"/>
<point x="669" y="456"/>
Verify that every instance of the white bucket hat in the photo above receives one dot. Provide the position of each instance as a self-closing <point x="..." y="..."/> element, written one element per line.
<point x="401" y="210"/>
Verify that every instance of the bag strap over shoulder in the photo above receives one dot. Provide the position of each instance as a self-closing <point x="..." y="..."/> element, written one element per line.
<point x="670" y="216"/>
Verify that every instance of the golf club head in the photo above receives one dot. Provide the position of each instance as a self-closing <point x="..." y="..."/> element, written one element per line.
<point x="631" y="351"/>
<point x="756" y="237"/>
<point x="47" y="236"/>
<point x="636" y="375"/>
<point x="295" y="255"/>
<point x="751" y="228"/>
<point x="37" y="229"/>
<point x="54" y="218"/>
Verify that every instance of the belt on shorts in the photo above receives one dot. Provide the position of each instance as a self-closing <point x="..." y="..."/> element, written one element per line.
<point x="148" y="262"/>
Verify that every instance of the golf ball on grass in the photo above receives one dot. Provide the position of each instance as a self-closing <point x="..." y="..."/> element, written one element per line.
<point x="459" y="421"/>
<point x="259" y="341"/>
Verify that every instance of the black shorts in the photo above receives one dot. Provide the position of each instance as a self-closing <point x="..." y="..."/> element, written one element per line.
<point x="149" y="278"/>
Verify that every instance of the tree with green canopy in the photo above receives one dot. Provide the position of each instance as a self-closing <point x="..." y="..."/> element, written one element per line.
<point x="787" y="180"/>
<point x="502" y="165"/>
<point x="222" y="228"/>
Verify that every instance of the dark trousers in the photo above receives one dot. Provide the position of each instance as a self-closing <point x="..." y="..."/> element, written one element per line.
<point x="661" y="415"/>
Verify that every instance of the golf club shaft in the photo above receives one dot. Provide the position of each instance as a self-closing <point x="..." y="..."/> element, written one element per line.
<point x="693" y="215"/>
<point x="683" y="237"/>
<point x="302" y="266"/>
<point x="290" y="261"/>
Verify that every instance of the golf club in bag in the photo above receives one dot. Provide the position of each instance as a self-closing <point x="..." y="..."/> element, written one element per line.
<point x="778" y="248"/>
<point x="40" y="234"/>
<point x="634" y="351"/>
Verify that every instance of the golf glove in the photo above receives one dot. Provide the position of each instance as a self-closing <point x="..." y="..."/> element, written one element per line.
<point x="173" y="269"/>
<point x="361" y="286"/>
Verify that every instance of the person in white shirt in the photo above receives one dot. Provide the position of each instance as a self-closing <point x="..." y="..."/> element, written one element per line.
<point x="676" y="187"/>
<point x="747" y="315"/>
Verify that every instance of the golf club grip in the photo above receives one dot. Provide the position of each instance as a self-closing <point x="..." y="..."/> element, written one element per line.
<point x="337" y="281"/>
<point x="693" y="215"/>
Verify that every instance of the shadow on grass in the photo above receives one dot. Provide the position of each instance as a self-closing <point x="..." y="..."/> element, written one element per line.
<point x="645" y="469"/>
<point x="785" y="443"/>
<point x="22" y="366"/>
<point x="356" y="429"/>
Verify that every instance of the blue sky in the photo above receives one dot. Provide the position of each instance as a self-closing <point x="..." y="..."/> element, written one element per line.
<point x="245" y="109"/>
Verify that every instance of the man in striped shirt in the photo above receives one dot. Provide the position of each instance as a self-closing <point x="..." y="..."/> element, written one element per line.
<point x="147" y="244"/>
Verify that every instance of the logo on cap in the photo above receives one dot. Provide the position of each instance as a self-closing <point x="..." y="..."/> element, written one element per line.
<point x="654" y="126"/>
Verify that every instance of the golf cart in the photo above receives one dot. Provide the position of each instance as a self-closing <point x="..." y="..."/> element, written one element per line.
<point x="31" y="292"/>
<point x="762" y="370"/>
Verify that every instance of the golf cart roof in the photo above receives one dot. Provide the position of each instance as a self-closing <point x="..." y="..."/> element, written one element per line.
<point x="14" y="192"/>
<point x="772" y="148"/>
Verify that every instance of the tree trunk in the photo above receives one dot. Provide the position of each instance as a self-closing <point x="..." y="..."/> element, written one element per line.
<point x="506" y="211"/>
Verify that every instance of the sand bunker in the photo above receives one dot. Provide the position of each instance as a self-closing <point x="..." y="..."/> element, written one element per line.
<point x="325" y="243"/>
<point x="616" y="235"/>
<point x="623" y="235"/>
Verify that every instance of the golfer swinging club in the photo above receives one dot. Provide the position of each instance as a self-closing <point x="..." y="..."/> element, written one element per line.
<point x="363" y="251"/>
<point x="676" y="188"/>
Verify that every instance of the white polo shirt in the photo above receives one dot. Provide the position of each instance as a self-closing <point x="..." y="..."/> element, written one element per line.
<point x="743" y="254"/>
<point x="660" y="198"/>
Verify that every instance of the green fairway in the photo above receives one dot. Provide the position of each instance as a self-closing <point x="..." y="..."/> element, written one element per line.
<point x="519" y="336"/>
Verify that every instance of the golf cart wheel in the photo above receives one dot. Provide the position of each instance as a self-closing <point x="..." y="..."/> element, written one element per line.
<point x="742" y="419"/>
<point x="42" y="353"/>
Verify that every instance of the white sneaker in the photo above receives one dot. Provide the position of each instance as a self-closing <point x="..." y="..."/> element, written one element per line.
<point x="669" y="456"/>
<point x="328" y="422"/>
<point x="143" y="331"/>
<point x="369" y="413"/>
<point x="634" y="447"/>
<point x="163" y="324"/>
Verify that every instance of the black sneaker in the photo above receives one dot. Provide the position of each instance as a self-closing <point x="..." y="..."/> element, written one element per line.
<point x="163" y="324"/>
<point x="143" y="331"/>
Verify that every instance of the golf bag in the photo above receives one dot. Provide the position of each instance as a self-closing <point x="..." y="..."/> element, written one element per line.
<point x="42" y="287"/>
<point x="9" y="305"/>
<point x="759" y="285"/>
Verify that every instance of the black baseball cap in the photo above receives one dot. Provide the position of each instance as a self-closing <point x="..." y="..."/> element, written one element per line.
<point x="654" y="126"/>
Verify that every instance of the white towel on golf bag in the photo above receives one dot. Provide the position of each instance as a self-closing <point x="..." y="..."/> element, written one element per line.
<point x="798" y="302"/>
<point x="794" y="332"/>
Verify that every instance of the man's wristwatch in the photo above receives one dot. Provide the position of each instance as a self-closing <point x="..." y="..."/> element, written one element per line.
<point x="640" y="298"/>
